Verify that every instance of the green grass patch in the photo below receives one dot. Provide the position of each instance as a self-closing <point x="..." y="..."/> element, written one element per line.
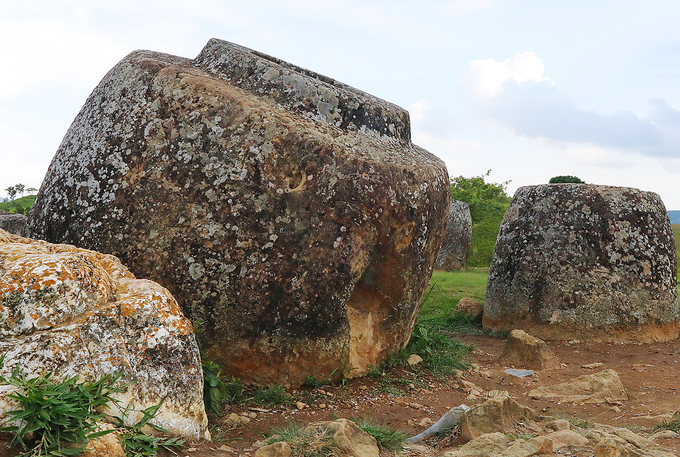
<point x="673" y="424"/>
<point x="387" y="438"/>
<point x="19" y="206"/>
<point x="271" y="396"/>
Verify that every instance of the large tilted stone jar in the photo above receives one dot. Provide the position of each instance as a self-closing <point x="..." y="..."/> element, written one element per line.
<point x="289" y="212"/>
<point x="586" y="262"/>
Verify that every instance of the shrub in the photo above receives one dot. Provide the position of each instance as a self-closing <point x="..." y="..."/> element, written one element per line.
<point x="214" y="390"/>
<point x="565" y="179"/>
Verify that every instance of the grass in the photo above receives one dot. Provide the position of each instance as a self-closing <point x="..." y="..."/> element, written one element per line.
<point x="673" y="424"/>
<point x="676" y="235"/>
<point x="315" y="442"/>
<point x="20" y="205"/>
<point x="387" y="438"/>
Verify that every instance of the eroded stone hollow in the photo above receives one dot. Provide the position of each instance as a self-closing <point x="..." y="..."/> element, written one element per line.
<point x="585" y="262"/>
<point x="288" y="212"/>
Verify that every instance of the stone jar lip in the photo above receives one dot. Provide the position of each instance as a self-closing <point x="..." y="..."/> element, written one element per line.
<point x="299" y="89"/>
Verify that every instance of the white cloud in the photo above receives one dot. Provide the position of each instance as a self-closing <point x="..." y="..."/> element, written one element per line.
<point x="489" y="75"/>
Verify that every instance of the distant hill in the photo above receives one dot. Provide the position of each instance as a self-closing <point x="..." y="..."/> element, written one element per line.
<point x="675" y="217"/>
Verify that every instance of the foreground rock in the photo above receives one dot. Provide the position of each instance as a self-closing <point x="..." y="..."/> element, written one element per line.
<point x="455" y="248"/>
<point x="585" y="262"/>
<point x="72" y="312"/>
<point x="525" y="351"/>
<point x="288" y="211"/>
<point x="602" y="387"/>
<point x="500" y="423"/>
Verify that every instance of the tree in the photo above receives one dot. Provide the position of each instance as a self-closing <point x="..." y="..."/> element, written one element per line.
<point x="20" y="188"/>
<point x="31" y="190"/>
<point x="565" y="179"/>
<point x="485" y="199"/>
<point x="488" y="202"/>
<point x="12" y="192"/>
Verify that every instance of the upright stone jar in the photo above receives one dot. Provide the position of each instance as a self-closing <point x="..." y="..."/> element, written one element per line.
<point x="288" y="212"/>
<point x="587" y="262"/>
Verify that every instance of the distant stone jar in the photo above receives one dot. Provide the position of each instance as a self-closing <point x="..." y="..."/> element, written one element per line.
<point x="287" y="211"/>
<point x="453" y="254"/>
<point x="588" y="262"/>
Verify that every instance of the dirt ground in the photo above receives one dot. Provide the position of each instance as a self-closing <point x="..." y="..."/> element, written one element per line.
<point x="402" y="399"/>
<point x="649" y="372"/>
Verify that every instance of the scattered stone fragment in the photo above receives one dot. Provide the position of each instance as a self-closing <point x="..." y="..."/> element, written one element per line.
<point x="602" y="387"/>
<point x="349" y="439"/>
<point x="469" y="307"/>
<point x="557" y="425"/>
<point x="496" y="415"/>
<point x="566" y="439"/>
<point x="585" y="262"/>
<point x="278" y="449"/>
<point x="525" y="351"/>
<point x="664" y="434"/>
<point x="488" y="444"/>
<point x="233" y="420"/>
<point x="414" y="359"/>
<point x="300" y="405"/>
<point x="519" y="373"/>
<point x="525" y="448"/>
<point x="591" y="366"/>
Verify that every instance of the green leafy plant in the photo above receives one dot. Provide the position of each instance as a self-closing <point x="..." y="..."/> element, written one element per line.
<point x="138" y="444"/>
<point x="271" y="396"/>
<point x="387" y="438"/>
<point x="57" y="419"/>
<point x="566" y="179"/>
<point x="234" y="392"/>
<point x="214" y="390"/>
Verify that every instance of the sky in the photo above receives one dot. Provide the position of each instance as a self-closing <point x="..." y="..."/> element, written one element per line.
<point x="527" y="89"/>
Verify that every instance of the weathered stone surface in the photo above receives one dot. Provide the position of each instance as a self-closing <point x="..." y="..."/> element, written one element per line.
<point x="602" y="387"/>
<point x="14" y="223"/>
<point x="482" y="446"/>
<point x="72" y="312"/>
<point x="469" y="307"/>
<point x="499" y="414"/>
<point x="586" y="262"/>
<point x="566" y="439"/>
<point x="279" y="449"/>
<point x="290" y="212"/>
<point x="348" y="439"/>
<point x="525" y="351"/>
<point x="453" y="254"/>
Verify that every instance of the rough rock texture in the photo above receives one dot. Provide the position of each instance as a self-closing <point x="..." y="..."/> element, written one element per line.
<point x="499" y="414"/>
<point x="348" y="439"/>
<point x="602" y="387"/>
<point x="469" y="307"/>
<point x="453" y="254"/>
<point x="586" y="262"/>
<point x="288" y="211"/>
<point x="13" y="223"/>
<point x="525" y="351"/>
<point x="76" y="312"/>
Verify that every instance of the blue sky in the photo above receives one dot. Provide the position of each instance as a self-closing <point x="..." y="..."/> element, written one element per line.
<point x="528" y="89"/>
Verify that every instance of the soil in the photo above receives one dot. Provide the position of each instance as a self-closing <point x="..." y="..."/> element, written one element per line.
<point x="404" y="397"/>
